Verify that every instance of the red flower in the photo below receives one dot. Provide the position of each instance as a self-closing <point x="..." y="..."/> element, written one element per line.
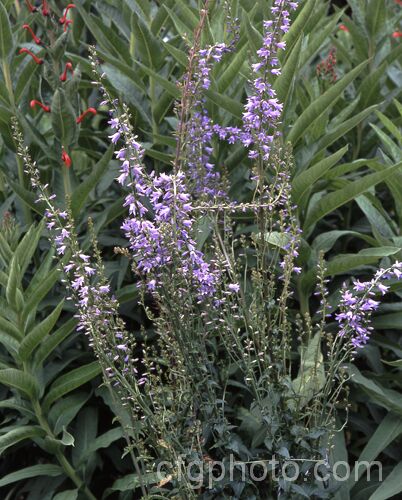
<point x="68" y="21"/>
<point x="34" y="37"/>
<point x="399" y="2"/>
<point x="63" y="19"/>
<point x="397" y="34"/>
<point x="38" y="60"/>
<point x="45" y="8"/>
<point x="34" y="102"/>
<point x="85" y="113"/>
<point x="344" y="28"/>
<point x="30" y="6"/>
<point x="66" y="158"/>
<point x="69" y="67"/>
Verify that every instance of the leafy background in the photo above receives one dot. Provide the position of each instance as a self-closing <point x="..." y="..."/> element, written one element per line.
<point x="347" y="181"/>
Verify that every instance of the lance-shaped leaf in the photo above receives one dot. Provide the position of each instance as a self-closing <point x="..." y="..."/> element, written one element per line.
<point x="63" y="119"/>
<point x="49" y="470"/>
<point x="336" y="199"/>
<point x="70" y="381"/>
<point x="38" y="333"/>
<point x="306" y="179"/>
<point x="81" y="194"/>
<point x="20" y="380"/>
<point x="19" y="434"/>
<point x="322" y="104"/>
<point x="6" y="37"/>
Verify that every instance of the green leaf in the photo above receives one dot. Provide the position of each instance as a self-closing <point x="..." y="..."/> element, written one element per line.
<point x="39" y="332"/>
<point x="325" y="241"/>
<point x="148" y="45"/>
<point x="103" y="441"/>
<point x="253" y="35"/>
<point x="311" y="377"/>
<point x="389" y="429"/>
<point x="20" y="380"/>
<point x="65" y="410"/>
<point x="283" y="83"/>
<point x="131" y="482"/>
<point x="299" y="23"/>
<point x="14" y="281"/>
<point x="10" y="329"/>
<point x="233" y="106"/>
<point x="390" y="126"/>
<point x="67" y="439"/>
<point x="19" y="434"/>
<point x="336" y="199"/>
<point x="70" y="381"/>
<point x="231" y="72"/>
<point x="179" y="55"/>
<point x="334" y="133"/>
<point x="49" y="470"/>
<point x="391" y="485"/>
<point x="387" y="398"/>
<point x="49" y="344"/>
<point x="63" y="119"/>
<point x="346" y="262"/>
<point x="6" y="36"/>
<point x="27" y="246"/>
<point x="27" y="197"/>
<point x="163" y="82"/>
<point x="390" y="147"/>
<point x="81" y="194"/>
<point x="375" y="16"/>
<point x="306" y="179"/>
<point x="39" y="292"/>
<point x="322" y="104"/>
<point x="9" y="343"/>
<point x="66" y="495"/>
<point x="392" y="321"/>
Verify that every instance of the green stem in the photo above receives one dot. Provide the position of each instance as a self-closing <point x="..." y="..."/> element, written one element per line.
<point x="66" y="182"/>
<point x="67" y="467"/>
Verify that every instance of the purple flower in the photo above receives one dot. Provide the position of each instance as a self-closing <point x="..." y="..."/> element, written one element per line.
<point x="263" y="110"/>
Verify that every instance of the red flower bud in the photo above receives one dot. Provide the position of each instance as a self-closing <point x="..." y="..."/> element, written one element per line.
<point x="45" y="8"/>
<point x="68" y="21"/>
<point x="34" y="37"/>
<point x="34" y="102"/>
<point x="397" y="34"/>
<point x="344" y="28"/>
<point x="69" y="67"/>
<point x="38" y="60"/>
<point x="63" y="19"/>
<point x="85" y="113"/>
<point x="30" y="6"/>
<point x="66" y="158"/>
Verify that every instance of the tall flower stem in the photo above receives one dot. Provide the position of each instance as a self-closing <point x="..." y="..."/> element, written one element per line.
<point x="186" y="93"/>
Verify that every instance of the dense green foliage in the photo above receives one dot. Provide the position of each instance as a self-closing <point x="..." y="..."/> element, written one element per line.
<point x="57" y="434"/>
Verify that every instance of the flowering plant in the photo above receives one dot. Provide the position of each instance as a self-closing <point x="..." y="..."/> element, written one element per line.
<point x="235" y="361"/>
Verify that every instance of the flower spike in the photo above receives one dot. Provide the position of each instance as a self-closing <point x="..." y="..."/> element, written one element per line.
<point x="30" y="6"/>
<point x="63" y="19"/>
<point x="85" y="113"/>
<point x="37" y="59"/>
<point x="34" y="102"/>
<point x="68" y="67"/>
<point x="34" y="37"/>
<point x="65" y="158"/>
